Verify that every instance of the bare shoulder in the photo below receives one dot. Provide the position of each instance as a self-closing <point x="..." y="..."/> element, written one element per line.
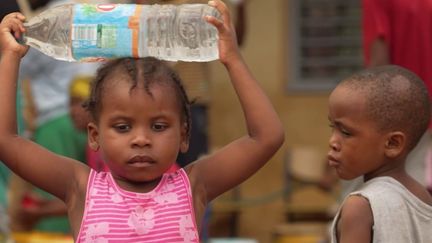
<point x="356" y="220"/>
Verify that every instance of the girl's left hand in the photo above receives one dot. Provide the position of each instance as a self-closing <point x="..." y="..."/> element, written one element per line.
<point x="228" y="48"/>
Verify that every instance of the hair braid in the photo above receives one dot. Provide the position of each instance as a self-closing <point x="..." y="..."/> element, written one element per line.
<point x="185" y="102"/>
<point x="130" y="65"/>
<point x="93" y="104"/>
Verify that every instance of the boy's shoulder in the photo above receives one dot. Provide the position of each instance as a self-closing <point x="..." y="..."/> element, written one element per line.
<point x="383" y="188"/>
<point x="392" y="206"/>
<point x="388" y="198"/>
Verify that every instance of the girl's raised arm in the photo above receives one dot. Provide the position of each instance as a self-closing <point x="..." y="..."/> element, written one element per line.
<point x="240" y="159"/>
<point x="30" y="161"/>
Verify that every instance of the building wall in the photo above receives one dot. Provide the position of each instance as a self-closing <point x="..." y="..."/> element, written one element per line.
<point x="304" y="115"/>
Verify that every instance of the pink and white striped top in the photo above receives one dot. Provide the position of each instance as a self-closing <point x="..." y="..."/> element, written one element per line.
<point x="164" y="214"/>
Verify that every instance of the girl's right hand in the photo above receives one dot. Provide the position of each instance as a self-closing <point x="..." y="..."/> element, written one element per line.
<point x="11" y="29"/>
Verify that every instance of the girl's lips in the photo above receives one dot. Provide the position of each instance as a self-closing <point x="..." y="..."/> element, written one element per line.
<point x="141" y="161"/>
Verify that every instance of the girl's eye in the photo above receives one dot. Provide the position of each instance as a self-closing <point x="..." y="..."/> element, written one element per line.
<point x="122" y="128"/>
<point x="158" y="127"/>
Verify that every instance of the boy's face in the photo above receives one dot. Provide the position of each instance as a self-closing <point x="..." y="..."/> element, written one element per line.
<point x="356" y="144"/>
<point x="139" y="134"/>
<point x="79" y="115"/>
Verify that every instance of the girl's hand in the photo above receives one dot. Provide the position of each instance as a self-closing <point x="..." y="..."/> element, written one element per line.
<point x="11" y="28"/>
<point x="228" y="48"/>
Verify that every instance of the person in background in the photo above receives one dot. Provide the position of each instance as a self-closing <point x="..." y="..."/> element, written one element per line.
<point x="398" y="32"/>
<point x="140" y="122"/>
<point x="79" y="93"/>
<point x="372" y="135"/>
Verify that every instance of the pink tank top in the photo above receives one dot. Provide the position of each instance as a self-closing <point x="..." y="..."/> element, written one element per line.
<point x="164" y="214"/>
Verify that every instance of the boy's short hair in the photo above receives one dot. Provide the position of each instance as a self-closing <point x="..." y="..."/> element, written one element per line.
<point x="397" y="99"/>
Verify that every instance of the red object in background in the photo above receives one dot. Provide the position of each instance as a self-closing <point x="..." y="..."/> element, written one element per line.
<point x="30" y="202"/>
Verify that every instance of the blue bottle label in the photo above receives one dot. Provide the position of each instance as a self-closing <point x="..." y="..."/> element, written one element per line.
<point x="102" y="31"/>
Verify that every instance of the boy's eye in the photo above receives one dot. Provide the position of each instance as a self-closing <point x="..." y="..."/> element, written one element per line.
<point x="122" y="127"/>
<point x="345" y="132"/>
<point x="159" y="127"/>
<point x="340" y="129"/>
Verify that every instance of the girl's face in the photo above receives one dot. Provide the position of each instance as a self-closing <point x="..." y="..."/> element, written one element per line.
<point x="356" y="145"/>
<point x="139" y="134"/>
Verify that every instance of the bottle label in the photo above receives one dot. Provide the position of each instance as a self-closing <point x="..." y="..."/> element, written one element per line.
<point x="103" y="31"/>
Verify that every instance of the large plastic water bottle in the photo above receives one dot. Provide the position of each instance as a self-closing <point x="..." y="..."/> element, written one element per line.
<point x="91" y="32"/>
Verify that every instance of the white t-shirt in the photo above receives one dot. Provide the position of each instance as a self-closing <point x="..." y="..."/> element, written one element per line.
<point x="398" y="215"/>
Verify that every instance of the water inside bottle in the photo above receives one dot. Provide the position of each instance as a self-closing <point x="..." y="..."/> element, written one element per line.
<point x="195" y="38"/>
<point x="158" y="31"/>
<point x="179" y="32"/>
<point x="49" y="32"/>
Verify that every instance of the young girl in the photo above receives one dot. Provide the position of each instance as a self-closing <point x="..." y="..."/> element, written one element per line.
<point x="140" y="123"/>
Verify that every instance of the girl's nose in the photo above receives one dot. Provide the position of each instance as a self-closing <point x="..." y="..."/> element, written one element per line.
<point x="141" y="139"/>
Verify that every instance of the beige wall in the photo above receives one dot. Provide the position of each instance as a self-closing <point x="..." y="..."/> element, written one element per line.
<point x="304" y="115"/>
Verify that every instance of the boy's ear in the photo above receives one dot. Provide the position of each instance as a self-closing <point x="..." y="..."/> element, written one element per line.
<point x="93" y="136"/>
<point x="184" y="143"/>
<point x="395" y="144"/>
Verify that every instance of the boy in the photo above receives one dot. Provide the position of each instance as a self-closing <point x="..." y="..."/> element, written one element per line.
<point x="378" y="116"/>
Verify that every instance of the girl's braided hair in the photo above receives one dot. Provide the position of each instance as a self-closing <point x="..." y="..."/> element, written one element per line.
<point x="147" y="71"/>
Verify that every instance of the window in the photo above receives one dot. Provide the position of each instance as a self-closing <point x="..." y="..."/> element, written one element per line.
<point x="326" y="43"/>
